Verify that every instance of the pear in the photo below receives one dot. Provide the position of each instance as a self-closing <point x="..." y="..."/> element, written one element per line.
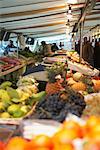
<point x="12" y="93"/>
<point x="18" y="114"/>
<point x="5" y="115"/>
<point x="6" y="84"/>
<point x="13" y="108"/>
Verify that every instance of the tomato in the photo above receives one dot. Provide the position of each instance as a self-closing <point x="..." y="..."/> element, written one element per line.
<point x="41" y="141"/>
<point x="16" y="143"/>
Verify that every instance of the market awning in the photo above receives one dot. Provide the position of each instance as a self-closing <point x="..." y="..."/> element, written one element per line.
<point x="44" y="17"/>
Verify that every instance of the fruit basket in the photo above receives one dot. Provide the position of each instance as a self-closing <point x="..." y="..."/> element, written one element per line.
<point x="17" y="121"/>
<point x="18" y="104"/>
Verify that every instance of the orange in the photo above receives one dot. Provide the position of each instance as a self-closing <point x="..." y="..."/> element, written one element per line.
<point x="2" y="145"/>
<point x="92" y="128"/>
<point x="41" y="141"/>
<point x="67" y="146"/>
<point x="63" y="136"/>
<point x="75" y="127"/>
<point x="92" y="145"/>
<point x="16" y="143"/>
<point x="42" y="148"/>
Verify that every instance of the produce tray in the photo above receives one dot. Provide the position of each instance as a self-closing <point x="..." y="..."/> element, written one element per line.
<point x="12" y="70"/>
<point x="16" y="121"/>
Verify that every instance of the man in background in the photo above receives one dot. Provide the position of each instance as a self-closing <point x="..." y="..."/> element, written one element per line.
<point x="8" y="47"/>
<point x="45" y="49"/>
<point x="88" y="52"/>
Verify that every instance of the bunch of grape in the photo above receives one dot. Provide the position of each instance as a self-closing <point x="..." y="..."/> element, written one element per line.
<point x="56" y="107"/>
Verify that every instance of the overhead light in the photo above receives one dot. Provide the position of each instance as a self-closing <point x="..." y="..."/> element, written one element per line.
<point x="69" y="10"/>
<point x="72" y="1"/>
<point x="68" y="24"/>
<point x="69" y="16"/>
<point x="69" y="13"/>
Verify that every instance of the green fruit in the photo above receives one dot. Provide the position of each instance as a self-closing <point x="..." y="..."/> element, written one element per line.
<point x="6" y="84"/>
<point x="2" y="108"/>
<point x="5" y="115"/>
<point x="15" y="100"/>
<point x="25" y="109"/>
<point x="35" y="98"/>
<point x="18" y="114"/>
<point x="12" y="93"/>
<point x="4" y="95"/>
<point x="6" y="103"/>
<point x="38" y="96"/>
<point x="13" y="108"/>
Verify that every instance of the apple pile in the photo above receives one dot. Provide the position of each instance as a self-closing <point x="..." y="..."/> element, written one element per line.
<point x="71" y="136"/>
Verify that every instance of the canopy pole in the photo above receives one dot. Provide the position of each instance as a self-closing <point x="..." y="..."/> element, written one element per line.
<point x="17" y="46"/>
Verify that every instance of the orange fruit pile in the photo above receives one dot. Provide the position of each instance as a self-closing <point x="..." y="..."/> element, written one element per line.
<point x="63" y="139"/>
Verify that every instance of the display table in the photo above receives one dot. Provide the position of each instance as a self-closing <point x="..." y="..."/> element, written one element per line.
<point x="40" y="76"/>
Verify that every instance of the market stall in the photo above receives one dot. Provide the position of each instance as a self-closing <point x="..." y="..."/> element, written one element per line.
<point x="48" y="102"/>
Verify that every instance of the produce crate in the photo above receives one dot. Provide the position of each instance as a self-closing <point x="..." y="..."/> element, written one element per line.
<point x="16" y="121"/>
<point x="13" y="73"/>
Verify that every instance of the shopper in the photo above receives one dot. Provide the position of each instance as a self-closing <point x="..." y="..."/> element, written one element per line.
<point x="37" y="46"/>
<point x="54" y="47"/>
<point x="97" y="54"/>
<point x="9" y="46"/>
<point x="77" y="47"/>
<point x="88" y="52"/>
<point x="45" y="49"/>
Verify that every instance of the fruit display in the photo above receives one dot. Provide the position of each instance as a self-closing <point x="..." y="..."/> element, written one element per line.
<point x="72" y="135"/>
<point x="74" y="63"/>
<point x="55" y="75"/>
<point x="29" y="54"/>
<point x="92" y="105"/>
<point x="52" y="88"/>
<point x="83" y="84"/>
<point x="78" y="64"/>
<point x="16" y="103"/>
<point x="7" y="63"/>
<point x="58" y="105"/>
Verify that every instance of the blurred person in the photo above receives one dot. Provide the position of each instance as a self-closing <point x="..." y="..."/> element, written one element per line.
<point x="97" y="54"/>
<point x="37" y="46"/>
<point x="54" y="47"/>
<point x="45" y="49"/>
<point x="8" y="47"/>
<point x="77" y="47"/>
<point x="10" y="44"/>
<point x="88" y="52"/>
